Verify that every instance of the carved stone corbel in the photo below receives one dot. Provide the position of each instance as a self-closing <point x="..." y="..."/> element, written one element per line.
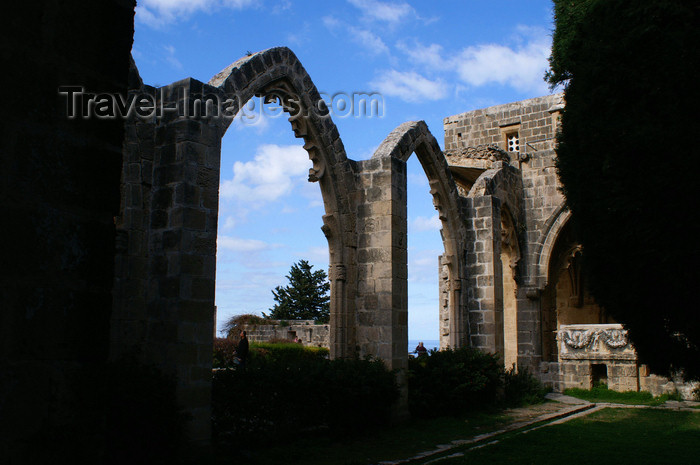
<point x="437" y="199"/>
<point x="338" y="272"/>
<point x="319" y="167"/>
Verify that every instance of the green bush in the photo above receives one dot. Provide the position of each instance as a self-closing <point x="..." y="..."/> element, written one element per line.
<point x="451" y="382"/>
<point x="234" y="325"/>
<point x="224" y="352"/>
<point x="361" y="393"/>
<point x="286" y="351"/>
<point x="285" y="392"/>
<point x="521" y="388"/>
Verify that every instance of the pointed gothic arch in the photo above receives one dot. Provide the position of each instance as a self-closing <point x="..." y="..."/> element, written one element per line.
<point x="415" y="137"/>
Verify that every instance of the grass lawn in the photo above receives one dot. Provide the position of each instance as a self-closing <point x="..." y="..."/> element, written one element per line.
<point x="601" y="393"/>
<point x="400" y="441"/>
<point x="612" y="435"/>
<point x="620" y="436"/>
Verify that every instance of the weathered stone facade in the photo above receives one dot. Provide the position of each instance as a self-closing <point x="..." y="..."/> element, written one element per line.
<point x="165" y="267"/>
<point x="513" y="202"/>
<point x="526" y="297"/>
<point x="105" y="268"/>
<point x="59" y="193"/>
<point x="508" y="277"/>
<point x="310" y="333"/>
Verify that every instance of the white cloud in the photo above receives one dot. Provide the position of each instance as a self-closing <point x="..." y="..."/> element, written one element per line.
<point x="282" y="7"/>
<point x="417" y="179"/>
<point x="158" y="13"/>
<point x="521" y="67"/>
<point x="237" y="244"/>
<point x="364" y="37"/>
<point x="331" y="23"/>
<point x="229" y="223"/>
<point x="421" y="223"/>
<point x="272" y="173"/>
<point x="170" y="57"/>
<point x="369" y="40"/>
<point x="253" y="116"/>
<point x="422" y="265"/>
<point x="429" y="56"/>
<point x="318" y="257"/>
<point x="391" y="13"/>
<point x="409" y="86"/>
<point x="521" y="64"/>
<point x="311" y="192"/>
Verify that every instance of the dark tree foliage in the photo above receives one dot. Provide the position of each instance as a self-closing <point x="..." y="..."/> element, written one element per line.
<point x="305" y="298"/>
<point x="626" y="153"/>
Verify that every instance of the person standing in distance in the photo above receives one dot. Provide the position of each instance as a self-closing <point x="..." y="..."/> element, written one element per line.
<point x="242" y="349"/>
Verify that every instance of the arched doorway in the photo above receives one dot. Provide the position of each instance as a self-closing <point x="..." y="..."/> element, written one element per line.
<point x="276" y="75"/>
<point x="565" y="299"/>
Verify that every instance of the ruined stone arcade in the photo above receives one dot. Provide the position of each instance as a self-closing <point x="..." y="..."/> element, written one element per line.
<point x="165" y="269"/>
<point x="509" y="278"/>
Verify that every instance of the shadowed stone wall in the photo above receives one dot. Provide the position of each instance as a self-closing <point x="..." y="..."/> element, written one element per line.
<point x="59" y="195"/>
<point x="97" y="267"/>
<point x="521" y="256"/>
<point x="165" y="270"/>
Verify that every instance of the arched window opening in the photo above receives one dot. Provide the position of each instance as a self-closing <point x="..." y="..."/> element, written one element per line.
<point x="270" y="215"/>
<point x="425" y="321"/>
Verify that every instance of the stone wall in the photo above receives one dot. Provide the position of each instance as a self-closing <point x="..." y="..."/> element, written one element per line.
<point x="309" y="332"/>
<point x="59" y="195"/>
<point x="524" y="182"/>
<point x="503" y="160"/>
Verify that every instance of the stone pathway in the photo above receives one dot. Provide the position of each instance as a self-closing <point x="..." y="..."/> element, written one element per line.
<point x="530" y="418"/>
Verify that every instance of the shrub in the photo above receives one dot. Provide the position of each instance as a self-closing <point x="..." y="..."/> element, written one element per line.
<point x="286" y="351"/>
<point x="224" y="352"/>
<point x="233" y="326"/>
<point x="521" y="388"/>
<point x="451" y="382"/>
<point x="288" y="391"/>
<point x="361" y="393"/>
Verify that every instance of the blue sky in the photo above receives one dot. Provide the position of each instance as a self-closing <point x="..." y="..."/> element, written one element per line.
<point x="428" y="60"/>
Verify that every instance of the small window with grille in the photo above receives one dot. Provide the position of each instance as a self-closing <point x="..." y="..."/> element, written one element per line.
<point x="513" y="142"/>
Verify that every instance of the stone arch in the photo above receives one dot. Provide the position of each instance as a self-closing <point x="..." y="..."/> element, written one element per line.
<point x="545" y="243"/>
<point x="503" y="182"/>
<point x="415" y="137"/>
<point x="277" y="74"/>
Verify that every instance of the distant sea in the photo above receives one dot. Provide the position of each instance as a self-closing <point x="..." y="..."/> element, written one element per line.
<point x="428" y="343"/>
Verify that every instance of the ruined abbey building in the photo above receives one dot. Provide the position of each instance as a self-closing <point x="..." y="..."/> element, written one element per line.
<point x="510" y="279"/>
<point x="112" y="252"/>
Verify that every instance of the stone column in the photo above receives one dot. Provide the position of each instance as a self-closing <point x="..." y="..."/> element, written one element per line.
<point x="382" y="295"/>
<point x="182" y="249"/>
<point x="339" y="338"/>
<point x="484" y="274"/>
